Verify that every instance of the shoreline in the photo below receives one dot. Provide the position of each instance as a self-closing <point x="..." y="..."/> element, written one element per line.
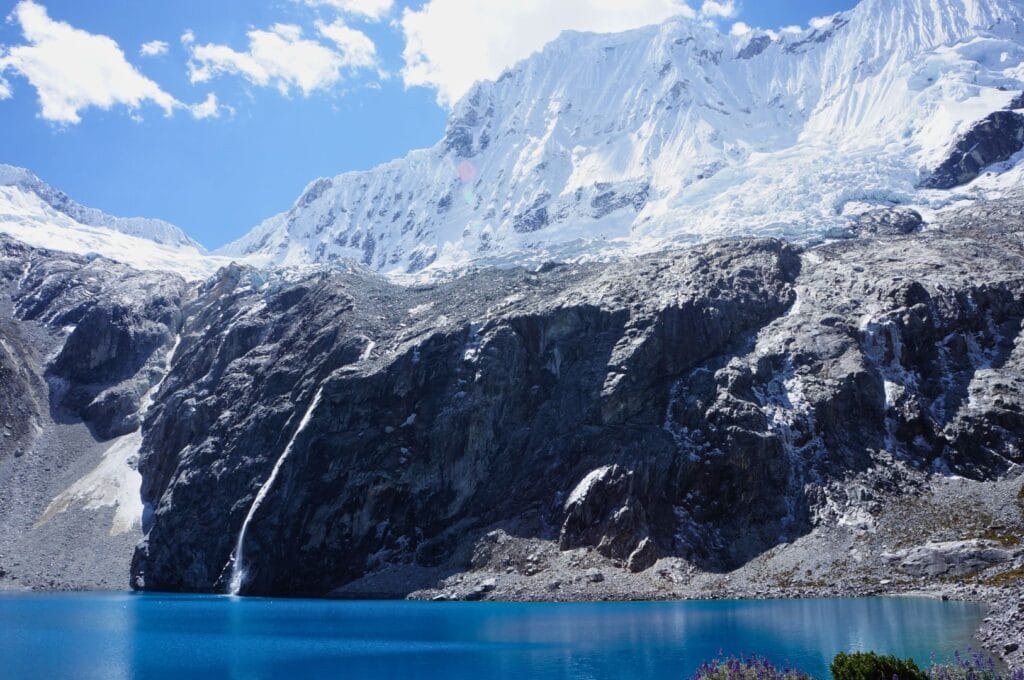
<point x="998" y="632"/>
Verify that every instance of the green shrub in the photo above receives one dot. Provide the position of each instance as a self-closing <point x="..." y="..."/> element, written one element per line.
<point x="871" y="666"/>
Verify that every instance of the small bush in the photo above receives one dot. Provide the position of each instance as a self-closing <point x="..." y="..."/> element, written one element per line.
<point x="754" y="668"/>
<point x="871" y="666"/>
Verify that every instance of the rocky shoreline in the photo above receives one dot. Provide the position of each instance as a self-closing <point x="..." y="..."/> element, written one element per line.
<point x="999" y="635"/>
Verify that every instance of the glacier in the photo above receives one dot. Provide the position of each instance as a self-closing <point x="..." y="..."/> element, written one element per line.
<point x="41" y="216"/>
<point x="604" y="145"/>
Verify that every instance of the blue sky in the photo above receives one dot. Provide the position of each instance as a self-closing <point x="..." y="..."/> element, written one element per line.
<point x="283" y="111"/>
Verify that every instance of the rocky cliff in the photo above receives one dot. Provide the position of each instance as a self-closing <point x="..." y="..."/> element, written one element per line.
<point x="708" y="404"/>
<point x="83" y="342"/>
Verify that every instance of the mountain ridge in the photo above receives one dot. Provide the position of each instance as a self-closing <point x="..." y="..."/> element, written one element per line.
<point x="672" y="133"/>
<point x="156" y="230"/>
<point x="42" y="216"/>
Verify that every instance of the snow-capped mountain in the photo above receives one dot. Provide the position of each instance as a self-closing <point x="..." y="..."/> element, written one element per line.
<point x="676" y="133"/>
<point x="39" y="215"/>
<point x="157" y="231"/>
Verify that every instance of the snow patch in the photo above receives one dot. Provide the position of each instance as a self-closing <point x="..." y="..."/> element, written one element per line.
<point x="586" y="484"/>
<point x="115" y="482"/>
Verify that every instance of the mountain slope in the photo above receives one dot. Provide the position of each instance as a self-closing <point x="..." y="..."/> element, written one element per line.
<point x="39" y="215"/>
<point x="674" y="133"/>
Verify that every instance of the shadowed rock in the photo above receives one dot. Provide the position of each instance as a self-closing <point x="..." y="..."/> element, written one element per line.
<point x="995" y="139"/>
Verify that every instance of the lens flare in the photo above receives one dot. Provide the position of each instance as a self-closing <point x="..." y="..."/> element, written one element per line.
<point x="466" y="171"/>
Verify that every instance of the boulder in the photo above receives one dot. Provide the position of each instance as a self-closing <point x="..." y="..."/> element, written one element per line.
<point x="953" y="558"/>
<point x="644" y="557"/>
<point x="889" y="222"/>
<point x="604" y="512"/>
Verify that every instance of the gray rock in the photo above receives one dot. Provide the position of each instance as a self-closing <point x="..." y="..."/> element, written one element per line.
<point x="480" y="590"/>
<point x="889" y="222"/>
<point x="604" y="512"/>
<point x="956" y="558"/>
<point x="756" y="46"/>
<point x="644" y="557"/>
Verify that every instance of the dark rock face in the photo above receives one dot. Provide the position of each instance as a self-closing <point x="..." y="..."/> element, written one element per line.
<point x="468" y="131"/>
<point x="116" y="319"/>
<point x="482" y="409"/>
<point x="534" y="218"/>
<point x="22" y="393"/>
<point x="706" y="404"/>
<point x="605" y="511"/>
<point x="995" y="139"/>
<point x="1017" y="103"/>
<point x="756" y="46"/>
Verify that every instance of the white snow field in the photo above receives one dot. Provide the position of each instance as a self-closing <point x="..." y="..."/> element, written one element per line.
<point x="604" y="144"/>
<point x="41" y="216"/>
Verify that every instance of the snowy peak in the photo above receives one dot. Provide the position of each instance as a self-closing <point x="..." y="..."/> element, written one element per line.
<point x="157" y="231"/>
<point x="605" y="144"/>
<point x="38" y="215"/>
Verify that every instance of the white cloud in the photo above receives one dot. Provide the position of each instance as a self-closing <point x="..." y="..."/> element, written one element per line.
<point x="821" y="22"/>
<point x="792" y="29"/>
<point x="724" y="9"/>
<point x="73" y="70"/>
<point x="374" y="10"/>
<point x="154" y="48"/>
<point x="281" y="57"/>
<point x="740" y="28"/>
<point x="188" y="38"/>
<point x="357" y="50"/>
<point x="450" y="44"/>
<point x="210" y="108"/>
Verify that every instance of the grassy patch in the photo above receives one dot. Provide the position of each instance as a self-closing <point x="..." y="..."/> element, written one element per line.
<point x="1007" y="578"/>
<point x="1004" y="537"/>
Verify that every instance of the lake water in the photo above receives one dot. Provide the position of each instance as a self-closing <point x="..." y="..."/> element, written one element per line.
<point x="180" y="636"/>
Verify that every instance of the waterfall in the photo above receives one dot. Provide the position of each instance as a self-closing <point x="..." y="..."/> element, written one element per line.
<point x="149" y="398"/>
<point x="238" y="566"/>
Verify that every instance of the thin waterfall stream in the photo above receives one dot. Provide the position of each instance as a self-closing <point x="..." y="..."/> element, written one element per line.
<point x="238" y="566"/>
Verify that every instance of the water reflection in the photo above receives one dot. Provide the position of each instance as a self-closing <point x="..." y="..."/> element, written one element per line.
<point x="153" y="636"/>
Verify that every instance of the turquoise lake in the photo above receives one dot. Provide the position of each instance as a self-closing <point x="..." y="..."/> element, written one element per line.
<point x="179" y="636"/>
